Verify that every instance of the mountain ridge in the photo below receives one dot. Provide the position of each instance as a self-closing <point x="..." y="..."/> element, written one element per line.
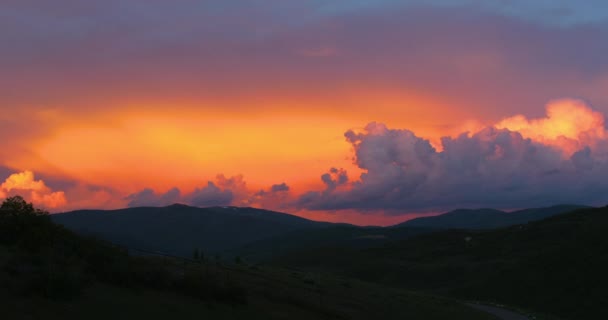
<point x="181" y="229"/>
<point x="487" y="218"/>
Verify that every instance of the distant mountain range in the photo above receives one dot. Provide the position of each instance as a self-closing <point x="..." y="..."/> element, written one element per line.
<point x="487" y="218"/>
<point x="180" y="229"/>
<point x="256" y="233"/>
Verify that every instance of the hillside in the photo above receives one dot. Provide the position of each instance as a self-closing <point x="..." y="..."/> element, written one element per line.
<point x="180" y="229"/>
<point x="49" y="272"/>
<point x="332" y="236"/>
<point x="486" y="218"/>
<point x="556" y="265"/>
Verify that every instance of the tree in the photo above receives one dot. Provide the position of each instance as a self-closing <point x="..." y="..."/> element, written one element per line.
<point x="196" y="255"/>
<point x="21" y="222"/>
<point x="18" y="206"/>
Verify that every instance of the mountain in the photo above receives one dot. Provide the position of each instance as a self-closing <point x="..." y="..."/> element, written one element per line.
<point x="486" y="218"/>
<point x="555" y="266"/>
<point x="258" y="234"/>
<point x="180" y="229"/>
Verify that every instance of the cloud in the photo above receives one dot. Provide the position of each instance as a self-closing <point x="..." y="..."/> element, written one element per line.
<point x="237" y="186"/>
<point x="211" y="195"/>
<point x="276" y="197"/>
<point x="283" y="187"/>
<point x="569" y="125"/>
<point x="494" y="167"/>
<point x="208" y="196"/>
<point x="221" y="192"/>
<point x="88" y="196"/>
<point x="334" y="178"/>
<point x="148" y="197"/>
<point x="35" y="190"/>
<point x="492" y="55"/>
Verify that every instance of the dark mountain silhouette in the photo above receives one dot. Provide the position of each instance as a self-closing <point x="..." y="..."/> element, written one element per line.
<point x="258" y="234"/>
<point x="486" y="218"/>
<point x="556" y="265"/>
<point x="367" y="237"/>
<point x="180" y="229"/>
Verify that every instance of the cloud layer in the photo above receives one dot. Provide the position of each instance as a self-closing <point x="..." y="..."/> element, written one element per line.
<point x="557" y="159"/>
<point x="221" y="192"/>
<point x="25" y="184"/>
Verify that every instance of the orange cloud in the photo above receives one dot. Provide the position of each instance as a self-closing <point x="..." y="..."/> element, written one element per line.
<point x="160" y="151"/>
<point x="23" y="181"/>
<point x="569" y="125"/>
<point x="39" y="193"/>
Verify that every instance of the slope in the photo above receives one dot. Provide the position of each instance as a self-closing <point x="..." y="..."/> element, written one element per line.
<point x="49" y="272"/>
<point x="555" y="266"/>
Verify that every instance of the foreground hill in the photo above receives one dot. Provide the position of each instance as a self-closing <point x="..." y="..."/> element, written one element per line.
<point x="487" y="218"/>
<point x="331" y="237"/>
<point x="49" y="272"/>
<point x="181" y="229"/>
<point x="555" y="266"/>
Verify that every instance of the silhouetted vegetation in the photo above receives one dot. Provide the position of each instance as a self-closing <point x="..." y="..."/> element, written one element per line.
<point x="555" y="266"/>
<point x="47" y="271"/>
<point x="48" y="260"/>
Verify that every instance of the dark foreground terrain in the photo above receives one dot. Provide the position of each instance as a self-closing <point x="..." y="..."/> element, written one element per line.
<point x="49" y="272"/>
<point x="287" y="267"/>
<point x="554" y="266"/>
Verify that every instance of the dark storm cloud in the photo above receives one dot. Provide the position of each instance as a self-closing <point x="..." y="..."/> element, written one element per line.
<point x="283" y="187"/>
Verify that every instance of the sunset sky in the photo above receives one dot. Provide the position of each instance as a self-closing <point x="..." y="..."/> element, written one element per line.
<point x="361" y="111"/>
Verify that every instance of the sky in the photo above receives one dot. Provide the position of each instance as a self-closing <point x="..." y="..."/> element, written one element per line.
<point x="359" y="111"/>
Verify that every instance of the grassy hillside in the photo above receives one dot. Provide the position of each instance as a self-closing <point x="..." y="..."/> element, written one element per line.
<point x="555" y="266"/>
<point x="49" y="272"/>
<point x="334" y="236"/>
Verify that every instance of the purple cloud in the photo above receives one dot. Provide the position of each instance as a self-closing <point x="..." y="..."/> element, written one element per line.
<point x="491" y="168"/>
<point x="149" y="198"/>
<point x="228" y="49"/>
<point x="283" y="187"/>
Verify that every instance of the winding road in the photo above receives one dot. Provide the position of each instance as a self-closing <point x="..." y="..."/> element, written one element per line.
<point x="501" y="313"/>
